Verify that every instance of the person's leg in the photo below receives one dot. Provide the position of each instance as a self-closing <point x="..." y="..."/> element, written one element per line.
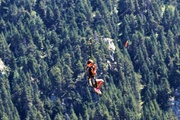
<point x="99" y="83"/>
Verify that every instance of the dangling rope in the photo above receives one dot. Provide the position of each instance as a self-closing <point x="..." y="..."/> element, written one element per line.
<point x="90" y="45"/>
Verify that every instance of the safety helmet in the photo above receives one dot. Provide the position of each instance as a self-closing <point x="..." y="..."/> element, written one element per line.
<point x="90" y="61"/>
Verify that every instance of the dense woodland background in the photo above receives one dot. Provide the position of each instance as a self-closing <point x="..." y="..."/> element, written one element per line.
<point x="45" y="45"/>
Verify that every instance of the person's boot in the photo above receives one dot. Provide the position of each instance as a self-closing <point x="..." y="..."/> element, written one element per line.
<point x="97" y="91"/>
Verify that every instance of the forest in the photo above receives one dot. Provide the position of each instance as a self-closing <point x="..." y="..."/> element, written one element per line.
<point x="44" y="47"/>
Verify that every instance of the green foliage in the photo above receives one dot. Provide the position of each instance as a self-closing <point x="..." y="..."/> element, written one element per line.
<point x="45" y="46"/>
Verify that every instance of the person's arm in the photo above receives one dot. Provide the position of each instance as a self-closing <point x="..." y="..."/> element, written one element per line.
<point x="94" y="69"/>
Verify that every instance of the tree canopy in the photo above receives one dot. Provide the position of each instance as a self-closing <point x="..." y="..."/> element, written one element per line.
<point x="44" y="46"/>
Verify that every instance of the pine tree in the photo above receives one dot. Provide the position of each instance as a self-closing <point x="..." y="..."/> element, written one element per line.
<point x="73" y="115"/>
<point x="58" y="117"/>
<point x="2" y="25"/>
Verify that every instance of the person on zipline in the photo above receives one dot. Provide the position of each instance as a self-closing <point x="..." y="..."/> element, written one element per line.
<point x="91" y="73"/>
